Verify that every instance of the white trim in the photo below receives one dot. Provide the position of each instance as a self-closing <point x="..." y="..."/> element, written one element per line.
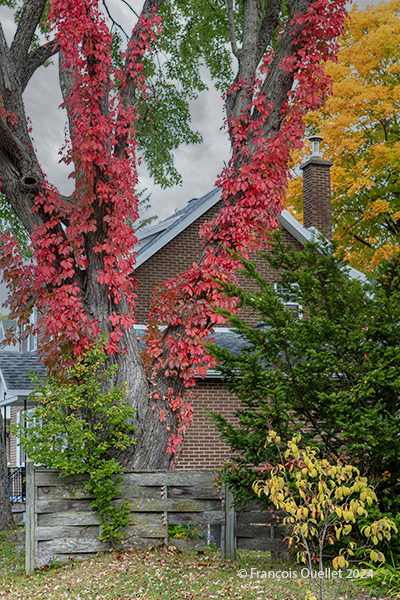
<point x="17" y="398"/>
<point x="10" y="401"/>
<point x="139" y="326"/>
<point x="146" y="232"/>
<point x="3" y="382"/>
<point x="211" y="374"/>
<point x="191" y="218"/>
<point x="17" y="446"/>
<point x="296" y="229"/>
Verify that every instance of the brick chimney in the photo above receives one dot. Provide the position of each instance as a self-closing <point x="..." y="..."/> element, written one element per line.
<point x="317" y="209"/>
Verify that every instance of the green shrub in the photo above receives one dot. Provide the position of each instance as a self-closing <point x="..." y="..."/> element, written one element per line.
<point x="331" y="376"/>
<point x="184" y="532"/>
<point x="386" y="578"/>
<point x="81" y="425"/>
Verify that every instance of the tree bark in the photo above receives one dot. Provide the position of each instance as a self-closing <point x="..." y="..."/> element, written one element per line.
<point x="257" y="37"/>
<point x="6" y="516"/>
<point x="21" y="179"/>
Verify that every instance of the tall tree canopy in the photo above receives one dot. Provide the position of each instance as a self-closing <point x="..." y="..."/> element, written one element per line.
<point x="81" y="276"/>
<point x="360" y="125"/>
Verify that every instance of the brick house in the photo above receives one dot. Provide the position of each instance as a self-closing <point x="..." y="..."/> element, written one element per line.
<point x="167" y="249"/>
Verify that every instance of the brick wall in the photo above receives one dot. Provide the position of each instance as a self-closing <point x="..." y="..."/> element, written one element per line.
<point x="178" y="256"/>
<point x="317" y="206"/>
<point x="202" y="447"/>
<point x="174" y="258"/>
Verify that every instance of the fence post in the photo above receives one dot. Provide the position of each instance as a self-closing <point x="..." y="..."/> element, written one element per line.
<point x="30" y="517"/>
<point x="230" y="539"/>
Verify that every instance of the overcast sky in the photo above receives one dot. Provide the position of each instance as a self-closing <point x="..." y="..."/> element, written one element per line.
<point x="199" y="165"/>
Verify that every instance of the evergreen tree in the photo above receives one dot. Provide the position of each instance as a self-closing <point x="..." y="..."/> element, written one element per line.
<point x="329" y="371"/>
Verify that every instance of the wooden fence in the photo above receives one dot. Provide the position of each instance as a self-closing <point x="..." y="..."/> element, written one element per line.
<point x="60" y="524"/>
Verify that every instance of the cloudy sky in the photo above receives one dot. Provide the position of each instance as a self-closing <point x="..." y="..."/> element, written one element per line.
<point x="199" y="165"/>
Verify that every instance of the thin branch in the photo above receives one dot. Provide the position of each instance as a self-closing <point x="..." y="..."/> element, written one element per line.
<point x="114" y="21"/>
<point x="129" y="91"/>
<point x="129" y="6"/>
<point x="361" y="240"/>
<point x="232" y="33"/>
<point x="35" y="60"/>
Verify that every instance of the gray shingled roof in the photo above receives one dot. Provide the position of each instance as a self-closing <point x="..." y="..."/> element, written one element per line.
<point x="16" y="366"/>
<point x="223" y="339"/>
<point x="191" y="207"/>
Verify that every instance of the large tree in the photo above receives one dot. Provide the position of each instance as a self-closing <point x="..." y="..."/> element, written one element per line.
<point x="82" y="273"/>
<point x="361" y="129"/>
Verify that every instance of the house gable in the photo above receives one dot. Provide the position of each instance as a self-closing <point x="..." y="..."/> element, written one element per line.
<point x="171" y="247"/>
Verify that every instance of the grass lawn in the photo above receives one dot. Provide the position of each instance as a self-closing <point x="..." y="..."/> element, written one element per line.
<point x="160" y="574"/>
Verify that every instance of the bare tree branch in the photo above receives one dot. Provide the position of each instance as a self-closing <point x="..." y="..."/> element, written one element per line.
<point x="232" y="33"/>
<point x="35" y="60"/>
<point x="30" y="19"/>
<point x="129" y="91"/>
<point x="114" y="22"/>
<point x="362" y="241"/>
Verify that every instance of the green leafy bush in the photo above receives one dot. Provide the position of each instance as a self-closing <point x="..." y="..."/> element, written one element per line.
<point x="184" y="532"/>
<point x="82" y="425"/>
<point x="386" y="578"/>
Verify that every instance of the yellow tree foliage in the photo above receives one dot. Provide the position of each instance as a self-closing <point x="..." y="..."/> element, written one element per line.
<point x="323" y="502"/>
<point x="360" y="125"/>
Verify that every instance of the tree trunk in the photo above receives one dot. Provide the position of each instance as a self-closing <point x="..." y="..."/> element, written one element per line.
<point x="6" y="516"/>
<point x="21" y="179"/>
<point x="257" y="38"/>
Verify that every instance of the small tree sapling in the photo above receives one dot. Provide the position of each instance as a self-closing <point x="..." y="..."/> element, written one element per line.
<point x="323" y="501"/>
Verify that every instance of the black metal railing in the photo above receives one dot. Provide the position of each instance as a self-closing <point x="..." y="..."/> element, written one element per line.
<point x="16" y="484"/>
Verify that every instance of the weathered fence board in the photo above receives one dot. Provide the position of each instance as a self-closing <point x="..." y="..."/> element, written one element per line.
<point x="78" y="492"/>
<point x="63" y="523"/>
<point x="48" y="477"/>
<point x="72" y="545"/>
<point x="261" y="544"/>
<point x="44" y="505"/>
<point x="205" y="492"/>
<point x="253" y="516"/>
<point x="212" y="517"/>
<point x="54" y="533"/>
<point x="254" y="531"/>
<point x="78" y="518"/>
<point x="174" y="478"/>
<point x="188" y="545"/>
<point x="134" y="490"/>
<point x="171" y="505"/>
<point x="155" y="530"/>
